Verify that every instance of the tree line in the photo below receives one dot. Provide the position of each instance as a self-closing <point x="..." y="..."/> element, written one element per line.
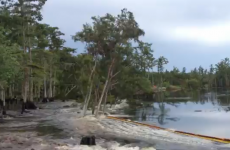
<point x="116" y="64"/>
<point x="216" y="76"/>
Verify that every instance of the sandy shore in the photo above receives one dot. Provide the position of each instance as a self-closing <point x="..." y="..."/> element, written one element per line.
<point x="57" y="127"/>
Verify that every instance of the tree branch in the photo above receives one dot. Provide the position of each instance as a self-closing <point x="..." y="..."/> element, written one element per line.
<point x="114" y="84"/>
<point x="70" y="90"/>
<point x="115" y="74"/>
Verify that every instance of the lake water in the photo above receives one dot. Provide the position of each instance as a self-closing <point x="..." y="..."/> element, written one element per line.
<point x="207" y="114"/>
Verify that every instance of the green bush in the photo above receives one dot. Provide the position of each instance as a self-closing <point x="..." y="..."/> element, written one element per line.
<point x="193" y="84"/>
<point x="166" y="84"/>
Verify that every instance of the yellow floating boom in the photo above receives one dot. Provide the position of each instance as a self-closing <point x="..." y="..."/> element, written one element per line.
<point x="220" y="140"/>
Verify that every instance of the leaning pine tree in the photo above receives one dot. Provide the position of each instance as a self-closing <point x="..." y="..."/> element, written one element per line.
<point x="110" y="41"/>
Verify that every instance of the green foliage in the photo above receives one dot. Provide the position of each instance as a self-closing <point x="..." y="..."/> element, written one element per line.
<point x="9" y="66"/>
<point x="166" y="84"/>
<point x="193" y="84"/>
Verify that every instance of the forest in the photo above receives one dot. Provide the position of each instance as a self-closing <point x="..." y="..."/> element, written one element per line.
<point x="115" y="64"/>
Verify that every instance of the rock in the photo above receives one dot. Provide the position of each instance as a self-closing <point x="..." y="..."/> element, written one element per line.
<point x="45" y="100"/>
<point x="88" y="140"/>
<point x="66" y="106"/>
<point x="30" y="105"/>
<point x="4" y="112"/>
<point x="51" y="99"/>
<point x="74" y="105"/>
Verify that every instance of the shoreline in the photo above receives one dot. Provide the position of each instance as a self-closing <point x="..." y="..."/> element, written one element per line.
<point x="110" y="134"/>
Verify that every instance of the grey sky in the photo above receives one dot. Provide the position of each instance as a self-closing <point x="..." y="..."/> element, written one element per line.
<point x="189" y="33"/>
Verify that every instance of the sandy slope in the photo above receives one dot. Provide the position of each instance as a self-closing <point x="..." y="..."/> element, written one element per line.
<point x="110" y="134"/>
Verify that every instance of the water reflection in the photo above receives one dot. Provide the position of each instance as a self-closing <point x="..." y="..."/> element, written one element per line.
<point x="202" y="113"/>
<point x="151" y="114"/>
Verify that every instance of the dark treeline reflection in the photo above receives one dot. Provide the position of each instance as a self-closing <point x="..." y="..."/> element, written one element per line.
<point x="158" y="110"/>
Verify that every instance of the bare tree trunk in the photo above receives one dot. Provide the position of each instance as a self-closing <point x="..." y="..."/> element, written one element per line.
<point x="31" y="88"/>
<point x="95" y="100"/>
<point x="54" y="90"/>
<point x="38" y="88"/>
<point x="25" y="88"/>
<point x="35" y="92"/>
<point x="45" y="94"/>
<point x="105" y="99"/>
<point x="104" y="107"/>
<point x="67" y="92"/>
<point x="88" y="99"/>
<point x="54" y="87"/>
<point x="31" y="85"/>
<point x="13" y="90"/>
<point x="3" y="100"/>
<point x="50" y="84"/>
<point x="4" y="103"/>
<point x="25" y="82"/>
<point x="105" y="86"/>
<point x="10" y="92"/>
<point x="84" y="106"/>
<point x="102" y="95"/>
<point x="39" y="91"/>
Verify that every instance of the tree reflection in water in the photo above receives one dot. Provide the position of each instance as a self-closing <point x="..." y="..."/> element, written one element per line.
<point x="159" y="110"/>
<point x="160" y="114"/>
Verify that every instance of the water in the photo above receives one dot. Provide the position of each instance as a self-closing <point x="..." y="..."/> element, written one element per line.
<point x="207" y="114"/>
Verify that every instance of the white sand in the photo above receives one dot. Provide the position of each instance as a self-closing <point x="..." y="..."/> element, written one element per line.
<point x="110" y="134"/>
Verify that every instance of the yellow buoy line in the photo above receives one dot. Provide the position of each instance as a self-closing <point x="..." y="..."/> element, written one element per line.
<point x="215" y="139"/>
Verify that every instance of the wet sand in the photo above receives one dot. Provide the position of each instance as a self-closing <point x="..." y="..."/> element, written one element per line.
<point x="57" y="127"/>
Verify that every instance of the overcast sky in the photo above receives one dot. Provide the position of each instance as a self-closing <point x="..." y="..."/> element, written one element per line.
<point x="189" y="33"/>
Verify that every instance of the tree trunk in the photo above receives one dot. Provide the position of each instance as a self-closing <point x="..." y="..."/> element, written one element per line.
<point x="39" y="91"/>
<point x="110" y="71"/>
<point x="45" y="94"/>
<point x="25" y="90"/>
<point x="13" y="90"/>
<point x="67" y="92"/>
<point x="10" y="92"/>
<point x="50" y="84"/>
<point x="35" y="92"/>
<point x="31" y="85"/>
<point x="95" y="101"/>
<point x="104" y="106"/>
<point x="102" y="95"/>
<point x="88" y="99"/>
<point x="31" y="88"/>
<point x="105" y="99"/>
<point x="4" y="103"/>
<point x="3" y="100"/>
<point x="24" y="96"/>
<point x="54" y="87"/>
<point x="84" y="106"/>
<point x="54" y="90"/>
<point x="25" y="82"/>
